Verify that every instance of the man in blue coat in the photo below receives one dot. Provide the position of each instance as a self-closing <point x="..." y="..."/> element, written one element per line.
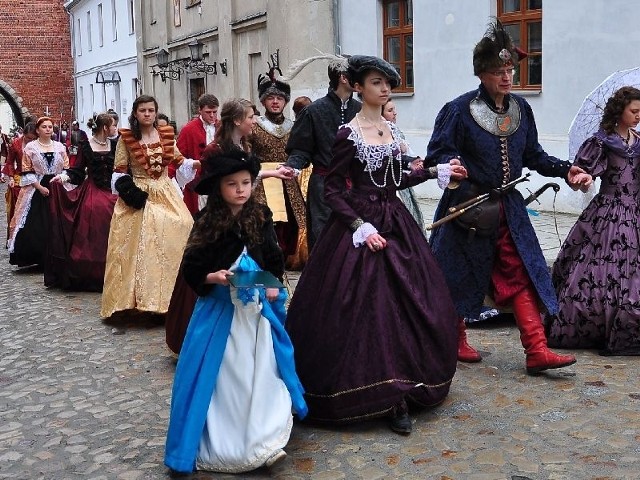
<point x="495" y="251"/>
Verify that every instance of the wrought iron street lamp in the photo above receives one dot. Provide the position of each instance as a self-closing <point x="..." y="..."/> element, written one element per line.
<point x="173" y="69"/>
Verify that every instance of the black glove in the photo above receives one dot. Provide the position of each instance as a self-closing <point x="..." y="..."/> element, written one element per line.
<point x="130" y="193"/>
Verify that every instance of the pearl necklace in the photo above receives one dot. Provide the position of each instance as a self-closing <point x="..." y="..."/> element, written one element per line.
<point x="45" y="145"/>
<point x="104" y="144"/>
<point x="396" y="180"/>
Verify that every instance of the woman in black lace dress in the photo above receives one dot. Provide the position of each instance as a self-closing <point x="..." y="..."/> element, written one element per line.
<point x="78" y="237"/>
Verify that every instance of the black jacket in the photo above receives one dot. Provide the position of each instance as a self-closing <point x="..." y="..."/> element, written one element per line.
<point x="221" y="254"/>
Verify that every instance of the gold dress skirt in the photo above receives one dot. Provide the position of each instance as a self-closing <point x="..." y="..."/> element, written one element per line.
<point x="145" y="248"/>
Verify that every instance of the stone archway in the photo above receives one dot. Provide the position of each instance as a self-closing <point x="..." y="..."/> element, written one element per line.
<point x="15" y="102"/>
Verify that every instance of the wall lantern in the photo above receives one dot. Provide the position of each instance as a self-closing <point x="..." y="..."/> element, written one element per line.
<point x="173" y="69"/>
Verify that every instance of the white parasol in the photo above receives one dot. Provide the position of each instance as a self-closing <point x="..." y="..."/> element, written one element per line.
<point x="587" y="120"/>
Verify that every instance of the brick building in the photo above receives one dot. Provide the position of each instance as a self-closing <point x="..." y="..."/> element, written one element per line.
<point x="36" y="68"/>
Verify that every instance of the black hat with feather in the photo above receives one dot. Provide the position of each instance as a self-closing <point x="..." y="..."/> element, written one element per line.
<point x="269" y="85"/>
<point x="495" y="50"/>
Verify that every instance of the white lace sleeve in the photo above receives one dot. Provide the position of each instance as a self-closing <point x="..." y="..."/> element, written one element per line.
<point x="115" y="176"/>
<point x="185" y="172"/>
<point x="28" y="179"/>
<point x="361" y="234"/>
<point x="444" y="175"/>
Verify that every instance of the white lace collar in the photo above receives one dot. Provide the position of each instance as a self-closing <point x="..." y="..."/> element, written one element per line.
<point x="373" y="155"/>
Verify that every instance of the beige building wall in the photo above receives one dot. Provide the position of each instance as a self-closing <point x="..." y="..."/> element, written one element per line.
<point x="242" y="33"/>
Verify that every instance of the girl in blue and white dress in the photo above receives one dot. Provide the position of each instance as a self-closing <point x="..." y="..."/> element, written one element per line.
<point x="235" y="384"/>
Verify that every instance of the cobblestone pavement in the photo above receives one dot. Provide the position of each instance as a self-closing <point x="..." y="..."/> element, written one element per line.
<point x="79" y="401"/>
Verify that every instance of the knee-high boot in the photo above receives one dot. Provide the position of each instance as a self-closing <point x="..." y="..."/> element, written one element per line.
<point x="466" y="353"/>
<point x="534" y="341"/>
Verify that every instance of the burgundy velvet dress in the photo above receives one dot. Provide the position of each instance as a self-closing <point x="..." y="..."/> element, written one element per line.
<point x="371" y="328"/>
<point x="79" y="232"/>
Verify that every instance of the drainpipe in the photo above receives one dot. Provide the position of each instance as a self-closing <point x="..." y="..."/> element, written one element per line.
<point x="67" y="8"/>
<point x="336" y="27"/>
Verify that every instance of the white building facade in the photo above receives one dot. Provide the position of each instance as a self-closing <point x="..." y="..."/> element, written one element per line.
<point x="105" y="59"/>
<point x="573" y="47"/>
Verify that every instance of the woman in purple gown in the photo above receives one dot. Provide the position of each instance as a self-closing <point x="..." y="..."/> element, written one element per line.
<point x="78" y="237"/>
<point x="371" y="319"/>
<point x="597" y="272"/>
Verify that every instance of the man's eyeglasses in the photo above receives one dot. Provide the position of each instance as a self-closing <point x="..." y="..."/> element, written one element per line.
<point x="502" y="73"/>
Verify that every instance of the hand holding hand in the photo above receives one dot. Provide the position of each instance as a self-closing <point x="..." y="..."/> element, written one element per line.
<point x="417" y="164"/>
<point x="579" y="179"/>
<point x="376" y="242"/>
<point x="288" y="172"/>
<point x="458" y="172"/>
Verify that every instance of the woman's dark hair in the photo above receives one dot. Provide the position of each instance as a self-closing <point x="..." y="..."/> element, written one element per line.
<point x="232" y="110"/>
<point x="133" y="121"/>
<point x="216" y="220"/>
<point x="163" y="116"/>
<point x="299" y="103"/>
<point x="616" y="105"/>
<point x="29" y="129"/>
<point x="114" y="114"/>
<point x="97" y="122"/>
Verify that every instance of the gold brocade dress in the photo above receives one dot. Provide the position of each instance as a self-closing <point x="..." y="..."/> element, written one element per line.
<point x="146" y="245"/>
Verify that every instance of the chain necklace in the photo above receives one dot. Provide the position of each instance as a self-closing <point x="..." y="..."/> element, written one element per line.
<point x="45" y="145"/>
<point x="375" y="125"/>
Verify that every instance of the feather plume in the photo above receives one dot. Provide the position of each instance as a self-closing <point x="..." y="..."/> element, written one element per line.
<point x="296" y="67"/>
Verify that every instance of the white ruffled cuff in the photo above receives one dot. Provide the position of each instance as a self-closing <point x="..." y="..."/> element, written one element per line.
<point x="64" y="178"/>
<point x="444" y="175"/>
<point x="361" y="234"/>
<point x="28" y="179"/>
<point x="185" y="172"/>
<point x="115" y="176"/>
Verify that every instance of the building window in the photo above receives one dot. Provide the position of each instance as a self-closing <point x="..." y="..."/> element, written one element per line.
<point x="397" y="36"/>
<point x="81" y="102"/>
<point x="79" y="38"/>
<point x="114" y="20"/>
<point x="92" y="99"/>
<point x="523" y="20"/>
<point x="131" y="17"/>
<point x="89" y="42"/>
<point x="100" y="26"/>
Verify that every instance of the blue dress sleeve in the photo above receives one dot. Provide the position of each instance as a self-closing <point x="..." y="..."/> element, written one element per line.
<point x="447" y="135"/>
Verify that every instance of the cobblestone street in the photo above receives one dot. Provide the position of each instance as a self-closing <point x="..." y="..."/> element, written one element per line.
<point x="81" y="399"/>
